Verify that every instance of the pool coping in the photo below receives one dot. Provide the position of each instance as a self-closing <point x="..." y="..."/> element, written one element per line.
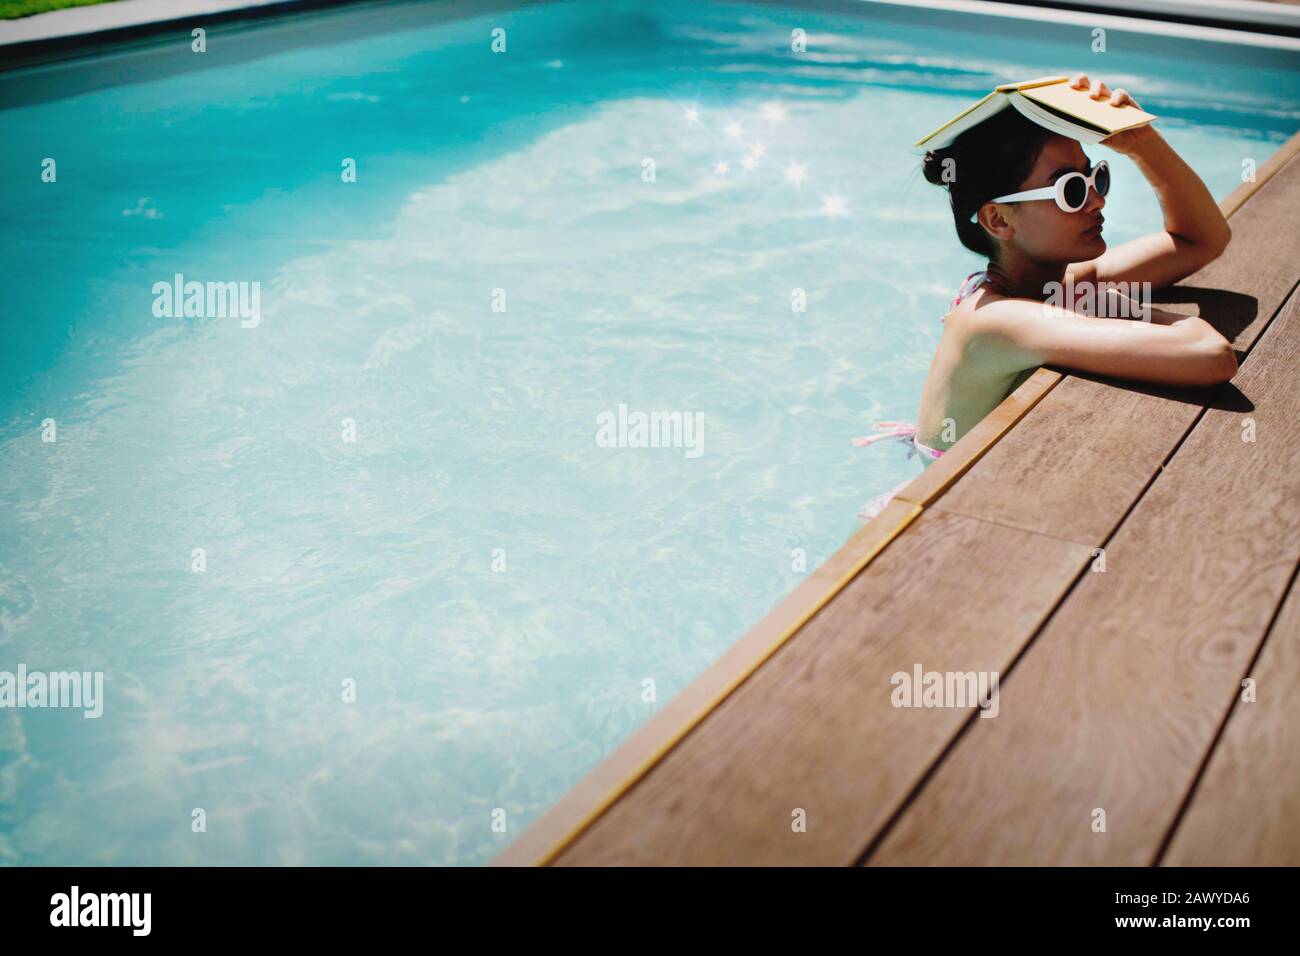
<point x="1233" y="14"/>
<point x="604" y="785"/>
<point x="1249" y="22"/>
<point x="1283" y="35"/>
<point x="107" y="22"/>
<point x="1220" y="20"/>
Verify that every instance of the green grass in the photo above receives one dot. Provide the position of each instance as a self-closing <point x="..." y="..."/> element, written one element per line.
<point x="13" y="9"/>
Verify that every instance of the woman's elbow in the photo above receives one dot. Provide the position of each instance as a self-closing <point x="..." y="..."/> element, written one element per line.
<point x="1225" y="237"/>
<point x="1216" y="244"/>
<point x="1215" y="362"/>
<point x="1228" y="363"/>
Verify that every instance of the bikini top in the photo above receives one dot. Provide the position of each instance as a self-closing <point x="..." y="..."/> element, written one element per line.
<point x="972" y="283"/>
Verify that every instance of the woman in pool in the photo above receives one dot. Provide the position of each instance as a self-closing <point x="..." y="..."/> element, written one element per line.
<point x="1000" y="327"/>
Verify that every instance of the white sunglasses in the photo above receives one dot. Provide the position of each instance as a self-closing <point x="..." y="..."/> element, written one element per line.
<point x="1070" y="191"/>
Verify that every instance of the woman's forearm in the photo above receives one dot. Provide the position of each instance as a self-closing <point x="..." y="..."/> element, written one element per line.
<point x="1190" y="212"/>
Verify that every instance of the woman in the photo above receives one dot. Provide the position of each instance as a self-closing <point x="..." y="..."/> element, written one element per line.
<point x="1001" y="326"/>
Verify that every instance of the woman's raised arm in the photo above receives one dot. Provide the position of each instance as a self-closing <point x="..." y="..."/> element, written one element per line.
<point x="1195" y="232"/>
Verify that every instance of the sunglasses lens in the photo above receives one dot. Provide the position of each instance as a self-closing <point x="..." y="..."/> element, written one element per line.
<point x="1075" y="192"/>
<point x="1102" y="183"/>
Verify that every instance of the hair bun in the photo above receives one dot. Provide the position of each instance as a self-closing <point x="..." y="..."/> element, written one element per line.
<point x="932" y="167"/>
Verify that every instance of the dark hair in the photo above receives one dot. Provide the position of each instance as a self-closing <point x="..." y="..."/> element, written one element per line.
<point x="991" y="159"/>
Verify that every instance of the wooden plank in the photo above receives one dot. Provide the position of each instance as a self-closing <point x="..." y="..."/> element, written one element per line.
<point x="1246" y="810"/>
<point x="815" y="729"/>
<point x="608" y="780"/>
<point x="1266" y="171"/>
<point x="941" y="474"/>
<point x="1258" y="265"/>
<point x="1074" y="467"/>
<point x="1115" y="704"/>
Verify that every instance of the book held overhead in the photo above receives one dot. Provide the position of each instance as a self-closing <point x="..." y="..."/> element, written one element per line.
<point x="1050" y="102"/>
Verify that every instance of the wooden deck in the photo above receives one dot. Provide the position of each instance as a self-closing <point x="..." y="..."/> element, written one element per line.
<point x="1121" y="690"/>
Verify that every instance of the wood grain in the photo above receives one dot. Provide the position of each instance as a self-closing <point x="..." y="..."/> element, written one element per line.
<point x="1246" y="810"/>
<point x="815" y="729"/>
<point x="606" y="782"/>
<point x="1116" y="703"/>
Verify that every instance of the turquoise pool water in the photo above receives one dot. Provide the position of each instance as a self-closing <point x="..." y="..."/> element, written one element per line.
<point x="496" y="585"/>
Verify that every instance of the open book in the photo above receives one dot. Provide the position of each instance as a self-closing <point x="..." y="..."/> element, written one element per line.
<point x="1048" y="101"/>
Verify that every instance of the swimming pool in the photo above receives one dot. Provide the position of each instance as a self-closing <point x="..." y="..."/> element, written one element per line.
<point x="367" y="578"/>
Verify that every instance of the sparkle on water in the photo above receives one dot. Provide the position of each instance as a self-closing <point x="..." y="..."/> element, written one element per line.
<point x="501" y="590"/>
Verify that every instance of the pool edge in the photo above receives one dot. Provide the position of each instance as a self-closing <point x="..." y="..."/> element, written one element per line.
<point x="596" y="792"/>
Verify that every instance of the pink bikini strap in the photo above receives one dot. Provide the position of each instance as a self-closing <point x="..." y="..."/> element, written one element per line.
<point x="900" y="430"/>
<point x="967" y="288"/>
<point x="904" y="432"/>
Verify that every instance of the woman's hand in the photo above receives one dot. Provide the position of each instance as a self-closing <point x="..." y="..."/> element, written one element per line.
<point x="1195" y="232"/>
<point x="1100" y="91"/>
<point x="1126" y="141"/>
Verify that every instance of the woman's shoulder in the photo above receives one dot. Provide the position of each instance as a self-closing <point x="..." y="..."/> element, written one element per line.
<point x="973" y="291"/>
<point x="984" y="328"/>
